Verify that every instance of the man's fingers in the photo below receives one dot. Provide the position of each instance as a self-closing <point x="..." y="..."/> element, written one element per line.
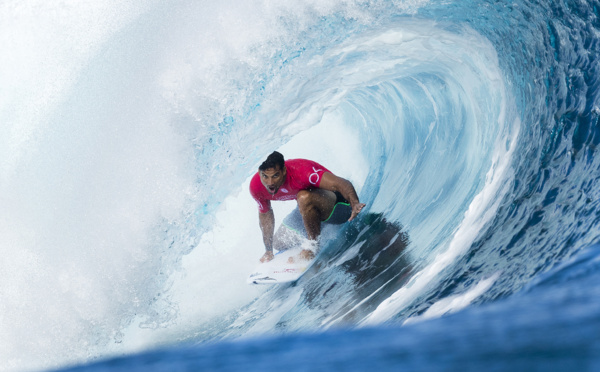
<point x="356" y="210"/>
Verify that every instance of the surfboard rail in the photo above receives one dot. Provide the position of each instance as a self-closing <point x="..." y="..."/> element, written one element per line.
<point x="280" y="269"/>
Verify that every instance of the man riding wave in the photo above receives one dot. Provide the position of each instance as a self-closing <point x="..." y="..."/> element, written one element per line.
<point x="321" y="197"/>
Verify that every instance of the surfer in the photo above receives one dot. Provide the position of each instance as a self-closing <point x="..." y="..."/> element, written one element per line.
<point x="321" y="197"/>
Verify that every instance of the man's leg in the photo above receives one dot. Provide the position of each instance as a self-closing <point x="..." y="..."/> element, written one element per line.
<point x="315" y="206"/>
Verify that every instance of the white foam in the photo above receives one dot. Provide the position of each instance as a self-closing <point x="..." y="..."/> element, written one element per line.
<point x="48" y="44"/>
<point x="455" y="303"/>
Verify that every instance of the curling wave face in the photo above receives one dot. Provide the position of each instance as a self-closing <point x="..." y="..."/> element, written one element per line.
<point x="469" y="129"/>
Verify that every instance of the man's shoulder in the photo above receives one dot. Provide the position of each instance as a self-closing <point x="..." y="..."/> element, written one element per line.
<point x="300" y="163"/>
<point x="255" y="185"/>
<point x="304" y="173"/>
<point x="254" y="179"/>
<point x="304" y="165"/>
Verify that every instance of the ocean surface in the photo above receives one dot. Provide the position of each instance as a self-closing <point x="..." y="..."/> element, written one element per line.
<point x="129" y="133"/>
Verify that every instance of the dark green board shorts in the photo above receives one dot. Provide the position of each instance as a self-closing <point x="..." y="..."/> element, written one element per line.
<point x="340" y="214"/>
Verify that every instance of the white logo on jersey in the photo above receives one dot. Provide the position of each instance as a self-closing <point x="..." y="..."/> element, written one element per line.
<point x="284" y="190"/>
<point x="314" y="177"/>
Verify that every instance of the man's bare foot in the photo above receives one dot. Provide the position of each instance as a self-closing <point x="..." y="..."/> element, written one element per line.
<point x="305" y="254"/>
<point x="268" y="256"/>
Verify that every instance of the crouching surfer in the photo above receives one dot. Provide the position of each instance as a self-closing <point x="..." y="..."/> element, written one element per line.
<point x="321" y="197"/>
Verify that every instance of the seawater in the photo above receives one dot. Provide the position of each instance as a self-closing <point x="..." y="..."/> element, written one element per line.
<point x="129" y="134"/>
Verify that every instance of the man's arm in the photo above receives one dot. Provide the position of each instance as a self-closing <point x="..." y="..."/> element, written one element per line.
<point x="267" y="226"/>
<point x="334" y="183"/>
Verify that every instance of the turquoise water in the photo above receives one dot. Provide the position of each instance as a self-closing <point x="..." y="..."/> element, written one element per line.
<point x="130" y="132"/>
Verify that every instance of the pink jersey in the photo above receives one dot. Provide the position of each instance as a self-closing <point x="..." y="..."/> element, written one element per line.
<point x="301" y="174"/>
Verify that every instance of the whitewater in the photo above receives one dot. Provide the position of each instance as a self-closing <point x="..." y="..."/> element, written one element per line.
<point x="129" y="133"/>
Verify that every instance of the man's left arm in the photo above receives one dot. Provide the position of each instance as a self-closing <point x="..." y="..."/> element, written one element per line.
<point x="330" y="181"/>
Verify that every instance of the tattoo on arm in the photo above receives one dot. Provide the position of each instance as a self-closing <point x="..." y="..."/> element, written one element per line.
<point x="267" y="226"/>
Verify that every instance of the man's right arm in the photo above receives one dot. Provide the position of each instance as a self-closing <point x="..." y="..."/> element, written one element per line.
<point x="267" y="226"/>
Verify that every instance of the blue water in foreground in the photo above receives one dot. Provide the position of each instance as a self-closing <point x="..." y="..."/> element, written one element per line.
<point x="129" y="134"/>
<point x="553" y="324"/>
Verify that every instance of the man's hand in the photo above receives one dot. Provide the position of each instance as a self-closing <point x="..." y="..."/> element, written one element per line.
<point x="356" y="208"/>
<point x="268" y="256"/>
<point x="334" y="183"/>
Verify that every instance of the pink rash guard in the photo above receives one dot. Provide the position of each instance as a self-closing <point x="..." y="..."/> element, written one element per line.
<point x="301" y="174"/>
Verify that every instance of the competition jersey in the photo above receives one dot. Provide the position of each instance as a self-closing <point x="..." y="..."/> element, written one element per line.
<point x="301" y="174"/>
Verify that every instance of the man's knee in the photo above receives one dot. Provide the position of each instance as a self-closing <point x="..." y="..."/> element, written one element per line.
<point x="304" y="199"/>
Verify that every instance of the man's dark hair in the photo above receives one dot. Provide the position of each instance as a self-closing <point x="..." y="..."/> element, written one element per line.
<point x="273" y="161"/>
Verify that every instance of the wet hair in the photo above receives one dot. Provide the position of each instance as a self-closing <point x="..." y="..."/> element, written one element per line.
<point x="273" y="161"/>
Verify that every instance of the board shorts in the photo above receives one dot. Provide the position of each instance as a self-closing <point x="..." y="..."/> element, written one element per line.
<point x="341" y="213"/>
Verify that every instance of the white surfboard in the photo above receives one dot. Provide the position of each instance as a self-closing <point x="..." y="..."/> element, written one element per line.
<point x="279" y="269"/>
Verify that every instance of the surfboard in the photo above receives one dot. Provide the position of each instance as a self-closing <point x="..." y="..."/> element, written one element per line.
<point x="279" y="270"/>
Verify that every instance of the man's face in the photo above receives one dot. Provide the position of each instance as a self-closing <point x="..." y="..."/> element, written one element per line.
<point x="272" y="179"/>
